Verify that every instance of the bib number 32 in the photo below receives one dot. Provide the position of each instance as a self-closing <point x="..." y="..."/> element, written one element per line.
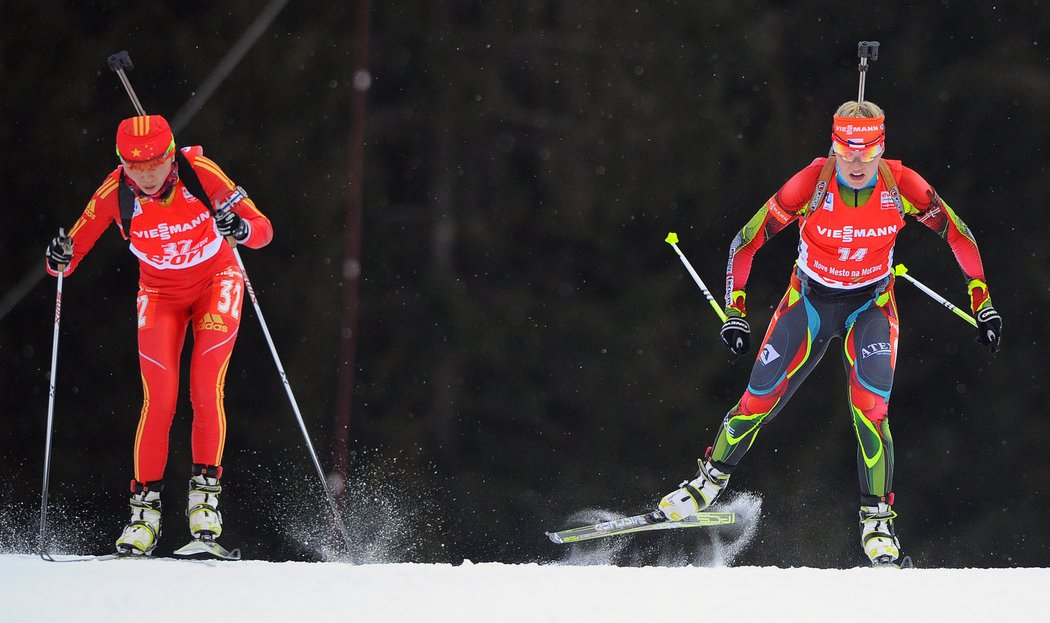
<point x="230" y="297"/>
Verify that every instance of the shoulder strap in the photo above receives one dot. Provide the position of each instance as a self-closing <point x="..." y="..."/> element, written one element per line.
<point x="126" y="197"/>
<point x="822" y="185"/>
<point x="891" y="186"/>
<point x="192" y="182"/>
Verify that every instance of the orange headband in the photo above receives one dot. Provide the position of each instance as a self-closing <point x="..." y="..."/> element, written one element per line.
<point x="859" y="132"/>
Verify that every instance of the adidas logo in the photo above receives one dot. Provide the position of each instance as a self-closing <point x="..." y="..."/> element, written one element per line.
<point x="212" y="322"/>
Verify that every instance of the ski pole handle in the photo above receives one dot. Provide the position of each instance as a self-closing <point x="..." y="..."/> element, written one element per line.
<point x="901" y="270"/>
<point x="672" y="239"/>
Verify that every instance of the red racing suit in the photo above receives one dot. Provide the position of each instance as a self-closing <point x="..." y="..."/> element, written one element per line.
<point x="842" y="287"/>
<point x="849" y="248"/>
<point x="188" y="276"/>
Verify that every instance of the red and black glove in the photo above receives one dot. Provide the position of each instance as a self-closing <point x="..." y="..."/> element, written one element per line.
<point x="736" y="333"/>
<point x="989" y="322"/>
<point x="989" y="328"/>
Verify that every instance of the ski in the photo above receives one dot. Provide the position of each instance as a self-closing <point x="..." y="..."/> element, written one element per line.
<point x="640" y="523"/>
<point x="79" y="558"/>
<point x="123" y="556"/>
<point x="207" y="548"/>
<point x="199" y="550"/>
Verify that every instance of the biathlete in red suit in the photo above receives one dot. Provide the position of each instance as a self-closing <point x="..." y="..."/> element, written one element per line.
<point x="849" y="210"/>
<point x="188" y="279"/>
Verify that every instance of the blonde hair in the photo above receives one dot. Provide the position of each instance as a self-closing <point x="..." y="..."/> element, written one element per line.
<point x="854" y="108"/>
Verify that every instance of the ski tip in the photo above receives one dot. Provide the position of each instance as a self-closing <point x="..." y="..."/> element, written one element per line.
<point x="79" y="558"/>
<point x="205" y="549"/>
<point x="672" y="238"/>
<point x="553" y="536"/>
<point x="901" y="563"/>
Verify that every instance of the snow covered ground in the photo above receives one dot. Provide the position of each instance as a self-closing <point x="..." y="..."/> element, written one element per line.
<point x="691" y="579"/>
<point x="161" y="590"/>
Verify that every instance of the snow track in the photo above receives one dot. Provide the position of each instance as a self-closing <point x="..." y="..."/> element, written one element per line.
<point x="171" y="590"/>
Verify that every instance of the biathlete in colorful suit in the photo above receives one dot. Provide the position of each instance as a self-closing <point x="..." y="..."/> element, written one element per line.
<point x="188" y="278"/>
<point x="849" y="210"/>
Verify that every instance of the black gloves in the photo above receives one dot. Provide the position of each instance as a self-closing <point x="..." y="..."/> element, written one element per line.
<point x="229" y="223"/>
<point x="736" y="335"/>
<point x="989" y="328"/>
<point x="60" y="252"/>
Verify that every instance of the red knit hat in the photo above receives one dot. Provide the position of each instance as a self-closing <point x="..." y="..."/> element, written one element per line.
<point x="144" y="138"/>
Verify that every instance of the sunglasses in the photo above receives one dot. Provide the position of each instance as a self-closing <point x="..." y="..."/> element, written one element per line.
<point x="149" y="165"/>
<point x="865" y="155"/>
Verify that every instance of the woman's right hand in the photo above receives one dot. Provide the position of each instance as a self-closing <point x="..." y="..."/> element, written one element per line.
<point x="736" y="335"/>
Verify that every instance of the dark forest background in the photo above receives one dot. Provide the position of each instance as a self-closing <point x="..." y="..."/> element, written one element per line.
<point x="528" y="344"/>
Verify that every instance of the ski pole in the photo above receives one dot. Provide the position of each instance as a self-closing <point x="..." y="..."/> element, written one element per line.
<point x="672" y="239"/>
<point x="42" y="543"/>
<point x="901" y="270"/>
<point x="119" y="62"/>
<point x="295" y="405"/>
<point x="865" y="50"/>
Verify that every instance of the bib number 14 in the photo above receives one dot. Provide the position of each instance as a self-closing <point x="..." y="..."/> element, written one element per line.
<point x="846" y="254"/>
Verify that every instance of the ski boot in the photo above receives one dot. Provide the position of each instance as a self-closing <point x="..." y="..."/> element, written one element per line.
<point x="204" y="518"/>
<point x="876" y="532"/>
<point x="695" y="495"/>
<point x="203" y="500"/>
<point x="143" y="530"/>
